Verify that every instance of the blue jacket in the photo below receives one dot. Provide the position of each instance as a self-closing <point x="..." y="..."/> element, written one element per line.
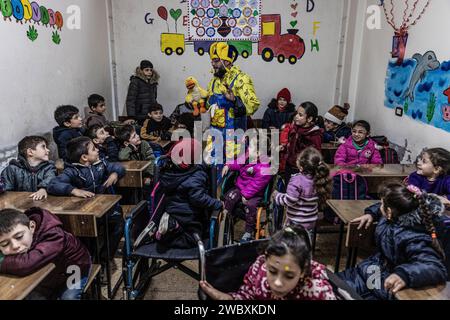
<point x="77" y="176"/>
<point x="404" y="248"/>
<point x="109" y="150"/>
<point x="62" y="135"/>
<point x="342" y="131"/>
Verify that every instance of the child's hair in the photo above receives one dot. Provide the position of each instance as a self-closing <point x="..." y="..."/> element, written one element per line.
<point x="76" y="148"/>
<point x="156" y="107"/>
<point x="310" y="110"/>
<point x="439" y="157"/>
<point x="188" y="120"/>
<point x="311" y="162"/>
<point x="10" y="218"/>
<point x="401" y="201"/>
<point x="292" y="240"/>
<point x="29" y="142"/>
<point x="362" y="123"/>
<point x="94" y="100"/>
<point x="123" y="133"/>
<point x="91" y="132"/>
<point x="65" y="114"/>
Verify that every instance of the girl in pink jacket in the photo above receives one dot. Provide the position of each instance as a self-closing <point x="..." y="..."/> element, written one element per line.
<point x="359" y="148"/>
<point x="253" y="178"/>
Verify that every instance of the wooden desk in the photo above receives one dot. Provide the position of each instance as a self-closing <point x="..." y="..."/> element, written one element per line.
<point x="347" y="210"/>
<point x="134" y="174"/>
<point x="18" y="288"/>
<point x="328" y="151"/>
<point x="376" y="175"/>
<point x="441" y="292"/>
<point x="78" y="215"/>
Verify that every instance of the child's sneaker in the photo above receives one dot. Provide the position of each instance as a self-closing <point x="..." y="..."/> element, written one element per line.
<point x="247" y="237"/>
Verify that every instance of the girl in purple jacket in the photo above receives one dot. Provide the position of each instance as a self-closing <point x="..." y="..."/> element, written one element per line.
<point x="253" y="177"/>
<point x="359" y="148"/>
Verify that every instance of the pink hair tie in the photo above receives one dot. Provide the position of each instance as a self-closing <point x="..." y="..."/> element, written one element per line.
<point x="415" y="190"/>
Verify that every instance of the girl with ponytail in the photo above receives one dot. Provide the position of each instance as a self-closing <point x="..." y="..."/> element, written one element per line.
<point x="409" y="252"/>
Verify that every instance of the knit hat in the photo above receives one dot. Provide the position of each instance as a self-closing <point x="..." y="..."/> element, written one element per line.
<point x="286" y="94"/>
<point x="223" y="51"/>
<point x="337" y="114"/>
<point x="146" y="64"/>
<point x="186" y="153"/>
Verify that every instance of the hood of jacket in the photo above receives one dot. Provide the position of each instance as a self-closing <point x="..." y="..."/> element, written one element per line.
<point x="290" y="107"/>
<point x="140" y="75"/>
<point x="171" y="180"/>
<point x="22" y="163"/>
<point x="44" y="222"/>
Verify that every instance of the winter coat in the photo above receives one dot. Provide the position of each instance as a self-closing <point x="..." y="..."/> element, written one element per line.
<point x="342" y="131"/>
<point x="404" y="248"/>
<point x="153" y="130"/>
<point x="251" y="185"/>
<point x="19" y="176"/>
<point x="441" y="186"/>
<point x="62" y="135"/>
<point x="179" y="110"/>
<point x="88" y="178"/>
<point x="256" y="287"/>
<point x="94" y="118"/>
<point x="143" y="152"/>
<point x="187" y="198"/>
<point x="301" y="138"/>
<point x="347" y="154"/>
<point x="273" y="117"/>
<point x="142" y="94"/>
<point x="51" y="244"/>
<point x="109" y="150"/>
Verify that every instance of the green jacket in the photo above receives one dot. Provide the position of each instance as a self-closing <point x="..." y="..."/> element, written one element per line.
<point x="142" y="153"/>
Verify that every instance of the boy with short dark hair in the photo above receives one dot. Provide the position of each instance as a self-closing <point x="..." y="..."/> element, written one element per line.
<point x="97" y="108"/>
<point x="157" y="126"/>
<point x="70" y="126"/>
<point x="31" y="240"/>
<point x="133" y="148"/>
<point x="107" y="146"/>
<point x="31" y="171"/>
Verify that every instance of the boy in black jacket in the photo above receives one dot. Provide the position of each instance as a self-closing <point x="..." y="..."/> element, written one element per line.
<point x="107" y="146"/>
<point x="70" y="126"/>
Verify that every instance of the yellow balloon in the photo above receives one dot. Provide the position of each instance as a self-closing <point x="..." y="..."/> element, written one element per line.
<point x="27" y="11"/>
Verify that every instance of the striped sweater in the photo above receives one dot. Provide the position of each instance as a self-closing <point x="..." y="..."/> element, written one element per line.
<point x="300" y="200"/>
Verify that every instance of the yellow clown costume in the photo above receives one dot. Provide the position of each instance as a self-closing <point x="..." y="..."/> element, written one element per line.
<point x="225" y="114"/>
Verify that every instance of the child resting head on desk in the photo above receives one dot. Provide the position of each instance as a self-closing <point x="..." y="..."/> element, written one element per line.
<point x="409" y="253"/>
<point x="31" y="240"/>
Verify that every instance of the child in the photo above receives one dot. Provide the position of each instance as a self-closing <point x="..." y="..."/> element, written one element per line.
<point x="285" y="271"/>
<point x="133" y="148"/>
<point x="304" y="133"/>
<point x="250" y="185"/>
<point x="409" y="255"/>
<point x="279" y="111"/>
<point x="69" y="126"/>
<point x="284" y="141"/>
<point x="32" y="171"/>
<point x="31" y="240"/>
<point x="185" y="185"/>
<point x="85" y="176"/>
<point x="142" y="91"/>
<point x="359" y="148"/>
<point x="335" y="127"/>
<point x="97" y="110"/>
<point x="306" y="191"/>
<point x="180" y="110"/>
<point x="157" y="127"/>
<point x="107" y="146"/>
<point x="433" y="173"/>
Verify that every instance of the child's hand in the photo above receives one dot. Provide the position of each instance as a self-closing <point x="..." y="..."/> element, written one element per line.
<point x="213" y="293"/>
<point x="250" y="170"/>
<point x="366" y="220"/>
<point x="41" y="194"/>
<point x="394" y="283"/>
<point x="244" y="201"/>
<point x="112" y="180"/>
<point x="82" y="193"/>
<point x="225" y="171"/>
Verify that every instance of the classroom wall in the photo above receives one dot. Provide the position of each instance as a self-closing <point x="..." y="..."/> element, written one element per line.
<point x="36" y="76"/>
<point x="311" y="78"/>
<point x="430" y="33"/>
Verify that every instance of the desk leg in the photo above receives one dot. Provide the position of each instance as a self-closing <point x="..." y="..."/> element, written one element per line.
<point x="339" y="248"/>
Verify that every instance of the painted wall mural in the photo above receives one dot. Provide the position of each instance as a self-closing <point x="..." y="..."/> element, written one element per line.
<point x="420" y="89"/>
<point x="240" y="23"/>
<point x="26" y="11"/>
